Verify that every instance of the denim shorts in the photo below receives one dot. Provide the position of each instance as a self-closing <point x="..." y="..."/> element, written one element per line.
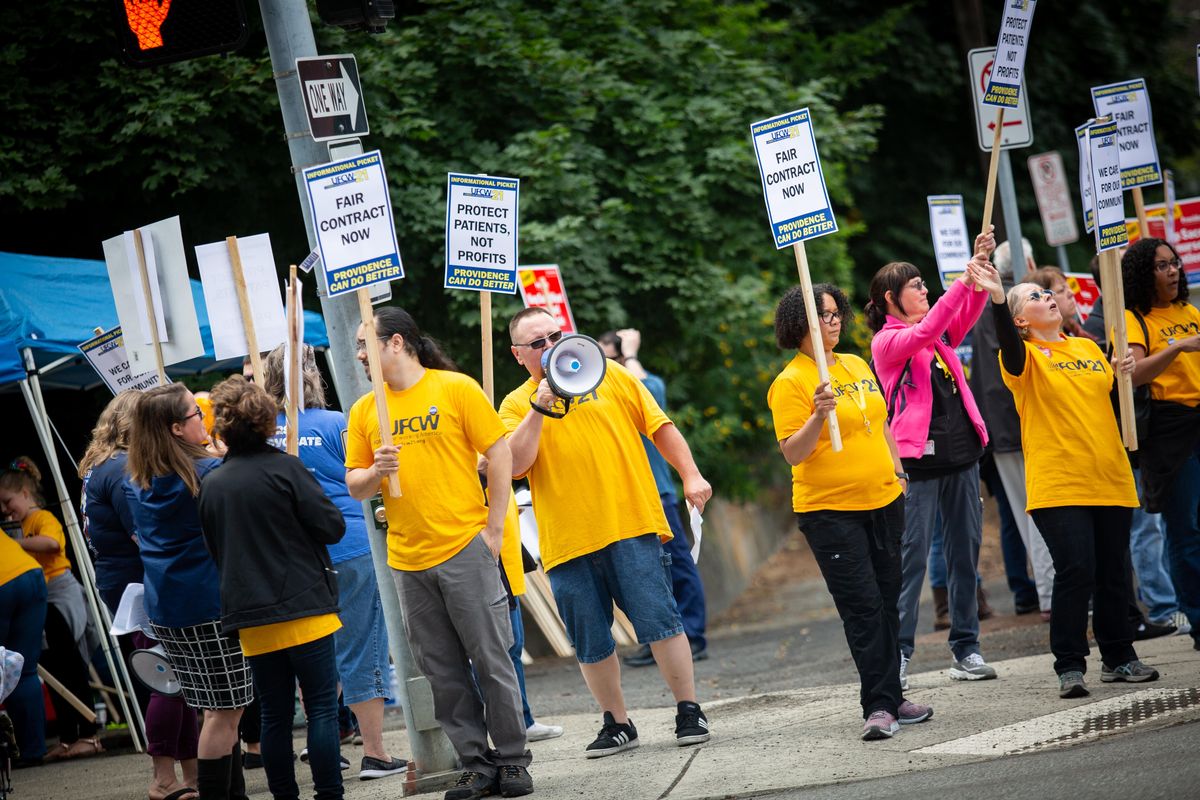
<point x="361" y="645"/>
<point x="633" y="573"/>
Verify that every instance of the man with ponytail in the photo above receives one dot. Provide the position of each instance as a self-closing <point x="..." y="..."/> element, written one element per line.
<point x="444" y="544"/>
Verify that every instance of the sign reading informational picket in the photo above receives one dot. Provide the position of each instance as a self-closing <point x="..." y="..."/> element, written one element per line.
<point x="1085" y="178"/>
<point x="1128" y="103"/>
<point x="798" y="205"/>
<point x="542" y="287"/>
<point x="106" y="354"/>
<point x="481" y="232"/>
<point x="951" y="242"/>
<point x="1109" y="197"/>
<point x="1187" y="233"/>
<point x="257" y="265"/>
<point x="1170" y="234"/>
<point x="352" y="219"/>
<point x="1004" y="85"/>
<point x="1053" y="200"/>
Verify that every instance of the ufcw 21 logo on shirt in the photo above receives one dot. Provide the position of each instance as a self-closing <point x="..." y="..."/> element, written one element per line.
<point x="1079" y="365"/>
<point x="418" y="424"/>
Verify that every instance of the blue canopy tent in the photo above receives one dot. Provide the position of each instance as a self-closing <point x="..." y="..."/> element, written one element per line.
<point x="49" y="305"/>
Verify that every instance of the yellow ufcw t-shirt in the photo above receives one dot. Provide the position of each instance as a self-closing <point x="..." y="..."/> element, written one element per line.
<point x="441" y="424"/>
<point x="14" y="561"/>
<point x="1180" y="381"/>
<point x="863" y="476"/>
<point x="591" y="482"/>
<point x="43" y="523"/>
<point x="1073" y="452"/>
<point x="510" y="549"/>
<point x="282" y="635"/>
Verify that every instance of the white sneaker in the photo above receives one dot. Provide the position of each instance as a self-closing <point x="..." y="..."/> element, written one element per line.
<point x="904" y="672"/>
<point x="538" y="732"/>
<point x="1182" y="626"/>
<point x="971" y="668"/>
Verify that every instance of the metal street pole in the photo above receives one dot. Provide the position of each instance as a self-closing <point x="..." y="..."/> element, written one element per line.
<point x="1012" y="220"/>
<point x="1064" y="263"/>
<point x="290" y="36"/>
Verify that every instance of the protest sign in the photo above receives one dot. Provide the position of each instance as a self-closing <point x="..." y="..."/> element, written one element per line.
<point x="1004" y="86"/>
<point x="236" y="275"/>
<point x="1049" y="178"/>
<point x="1085" y="178"/>
<point x="127" y="257"/>
<point x="293" y="362"/>
<point x="798" y="208"/>
<point x="106" y="354"/>
<point x="1108" y="199"/>
<point x="481" y="233"/>
<point x="352" y="220"/>
<point x="1187" y="233"/>
<point x="1086" y="292"/>
<point x="1128" y="103"/>
<point x="542" y="287"/>
<point x="951" y="242"/>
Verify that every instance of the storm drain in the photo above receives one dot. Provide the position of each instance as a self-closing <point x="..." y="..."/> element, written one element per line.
<point x="1073" y="725"/>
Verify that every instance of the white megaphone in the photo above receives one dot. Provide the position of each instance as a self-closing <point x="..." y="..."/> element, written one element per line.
<point x="152" y="668"/>
<point x="574" y="367"/>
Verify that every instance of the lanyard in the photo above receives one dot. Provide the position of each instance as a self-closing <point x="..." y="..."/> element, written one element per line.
<point x="945" y="370"/>
<point x="859" y="397"/>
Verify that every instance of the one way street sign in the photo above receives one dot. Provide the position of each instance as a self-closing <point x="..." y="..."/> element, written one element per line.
<point x="1017" y="130"/>
<point x="332" y="97"/>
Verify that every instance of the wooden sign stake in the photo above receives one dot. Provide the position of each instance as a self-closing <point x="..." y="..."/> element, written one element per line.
<point x="1139" y="207"/>
<point x="294" y="345"/>
<point x="239" y="284"/>
<point x="485" y="322"/>
<point x="367" y="312"/>
<point x="145" y="273"/>
<point x="814" y="335"/>
<point x="1112" y="293"/>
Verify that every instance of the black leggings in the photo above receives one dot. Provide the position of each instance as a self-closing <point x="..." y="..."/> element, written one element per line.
<point x="62" y="660"/>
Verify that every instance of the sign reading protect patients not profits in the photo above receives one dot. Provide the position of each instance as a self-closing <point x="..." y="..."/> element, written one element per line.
<point x="352" y="218"/>
<point x="1108" y="197"/>
<point x="798" y="204"/>
<point x="1004" y="87"/>
<point x="481" y="233"/>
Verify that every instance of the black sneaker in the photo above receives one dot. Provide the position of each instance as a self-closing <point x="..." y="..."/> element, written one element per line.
<point x="514" y="781"/>
<point x="691" y="726"/>
<point x="251" y="760"/>
<point x="613" y="738"/>
<point x="372" y="768"/>
<point x="644" y="657"/>
<point x="471" y="785"/>
<point x="1149" y="630"/>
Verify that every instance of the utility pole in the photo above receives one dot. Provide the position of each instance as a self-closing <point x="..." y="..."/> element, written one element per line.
<point x="290" y="36"/>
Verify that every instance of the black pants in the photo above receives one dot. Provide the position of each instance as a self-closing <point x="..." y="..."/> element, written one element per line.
<point x="859" y="556"/>
<point x="1090" y="549"/>
<point x="62" y="660"/>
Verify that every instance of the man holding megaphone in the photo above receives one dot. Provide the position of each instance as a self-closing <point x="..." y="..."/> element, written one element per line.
<point x="600" y="522"/>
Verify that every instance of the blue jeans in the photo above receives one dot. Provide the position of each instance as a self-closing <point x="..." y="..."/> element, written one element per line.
<point x="361" y="644"/>
<point x="685" y="578"/>
<point x="275" y="676"/>
<point x="514" y="652"/>
<point x="937" y="557"/>
<point x="1148" y="552"/>
<point x="1180" y="524"/>
<point x="633" y="573"/>
<point x="956" y="496"/>
<point x="22" y="618"/>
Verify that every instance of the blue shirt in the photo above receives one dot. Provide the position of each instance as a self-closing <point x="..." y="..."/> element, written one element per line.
<point x="109" y="522"/>
<point x="658" y="464"/>
<point x="323" y="451"/>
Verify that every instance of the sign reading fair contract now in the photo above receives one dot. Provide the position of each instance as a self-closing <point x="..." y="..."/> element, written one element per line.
<point x="481" y="233"/>
<point x="793" y="184"/>
<point x="352" y="217"/>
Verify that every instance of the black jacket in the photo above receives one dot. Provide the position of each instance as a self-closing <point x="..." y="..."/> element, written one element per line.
<point x="994" y="399"/>
<point x="266" y="522"/>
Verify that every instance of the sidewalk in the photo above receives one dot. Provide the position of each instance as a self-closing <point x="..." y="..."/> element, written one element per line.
<point x="768" y="742"/>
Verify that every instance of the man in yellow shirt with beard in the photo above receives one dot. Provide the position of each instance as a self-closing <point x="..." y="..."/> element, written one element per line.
<point x="600" y="525"/>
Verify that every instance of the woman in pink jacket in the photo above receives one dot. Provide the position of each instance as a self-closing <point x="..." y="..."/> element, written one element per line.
<point x="940" y="435"/>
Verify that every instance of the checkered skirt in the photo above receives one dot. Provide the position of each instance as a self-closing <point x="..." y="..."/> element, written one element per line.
<point x="210" y="667"/>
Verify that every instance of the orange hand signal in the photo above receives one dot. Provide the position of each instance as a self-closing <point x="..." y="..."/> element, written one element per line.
<point x="146" y="18"/>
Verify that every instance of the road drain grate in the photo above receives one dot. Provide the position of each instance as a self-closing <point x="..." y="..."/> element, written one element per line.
<point x="1132" y="713"/>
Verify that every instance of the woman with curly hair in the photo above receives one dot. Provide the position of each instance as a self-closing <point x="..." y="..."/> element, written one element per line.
<point x="850" y="505"/>
<point x="268" y="524"/>
<point x="941" y="436"/>
<point x="1164" y="335"/>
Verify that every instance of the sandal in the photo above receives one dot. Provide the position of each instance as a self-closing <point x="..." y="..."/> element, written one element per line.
<point x="84" y="748"/>
<point x="179" y="794"/>
<point x="57" y="753"/>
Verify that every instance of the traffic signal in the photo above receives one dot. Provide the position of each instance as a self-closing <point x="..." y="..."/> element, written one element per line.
<point x="153" y="32"/>
<point x="357" y="15"/>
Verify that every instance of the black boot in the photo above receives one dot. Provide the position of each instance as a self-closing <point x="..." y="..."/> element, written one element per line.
<point x="212" y="778"/>
<point x="237" y="781"/>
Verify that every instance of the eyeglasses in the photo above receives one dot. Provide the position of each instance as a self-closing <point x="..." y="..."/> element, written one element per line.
<point x="1163" y="266"/>
<point x="1038" y="294"/>
<point x="919" y="285"/>
<point x="199" y="412"/>
<point x="829" y="316"/>
<point x="361" y="347"/>
<point x="538" y="344"/>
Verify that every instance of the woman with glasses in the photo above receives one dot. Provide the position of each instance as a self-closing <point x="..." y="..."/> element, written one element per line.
<point x="1078" y="481"/>
<point x="1164" y="336"/>
<point x="850" y="505"/>
<point x="167" y="461"/>
<point x="940" y="436"/>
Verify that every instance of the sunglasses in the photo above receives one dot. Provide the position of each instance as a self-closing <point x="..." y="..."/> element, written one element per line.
<point x="538" y="344"/>
<point x="1038" y="294"/>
